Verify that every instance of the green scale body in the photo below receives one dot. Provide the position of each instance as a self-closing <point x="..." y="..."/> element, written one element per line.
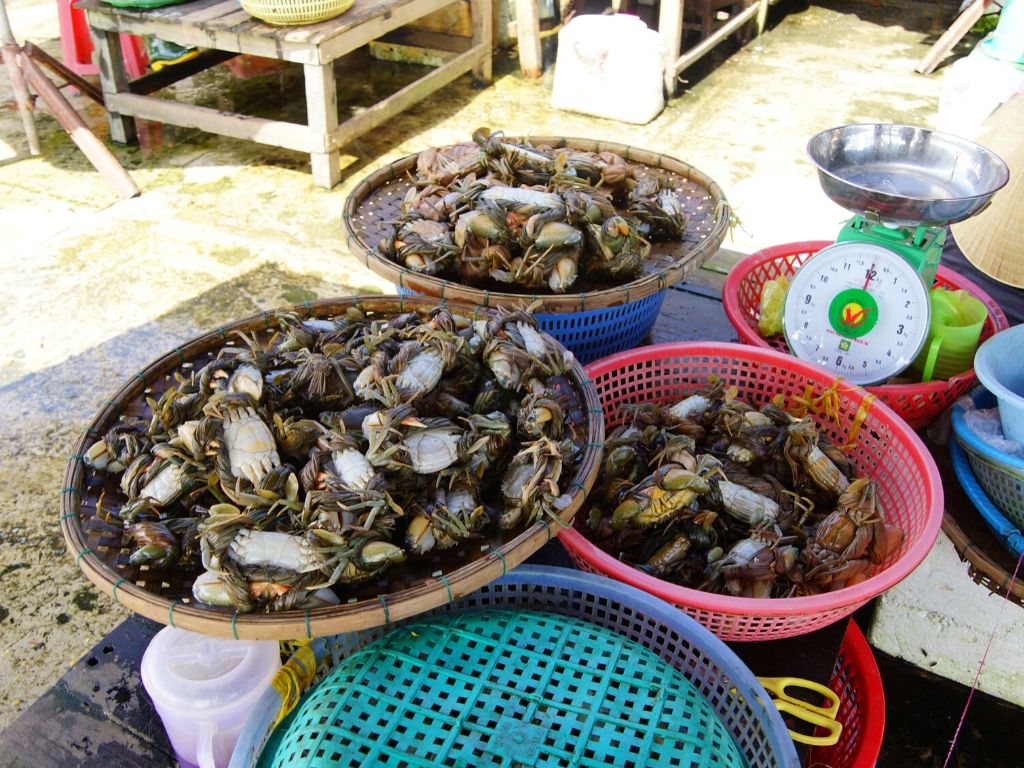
<point x="921" y="246"/>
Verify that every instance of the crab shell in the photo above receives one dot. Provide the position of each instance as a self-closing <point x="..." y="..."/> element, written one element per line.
<point x="250" y="443"/>
<point x="431" y="450"/>
<point x="353" y="468"/>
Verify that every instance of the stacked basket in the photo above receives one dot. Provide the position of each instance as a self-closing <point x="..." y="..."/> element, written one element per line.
<point x="719" y="676"/>
<point x="992" y="479"/>
<point x="919" y="404"/>
<point x="593" y="324"/>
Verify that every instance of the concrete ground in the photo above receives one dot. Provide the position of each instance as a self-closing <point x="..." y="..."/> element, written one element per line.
<point x="94" y="287"/>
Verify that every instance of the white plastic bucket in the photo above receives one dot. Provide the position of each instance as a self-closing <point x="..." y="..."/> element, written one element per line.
<point x="610" y="66"/>
<point x="204" y="688"/>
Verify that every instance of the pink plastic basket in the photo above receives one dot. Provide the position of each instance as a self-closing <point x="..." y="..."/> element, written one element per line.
<point x="858" y="683"/>
<point x="884" y="447"/>
<point x="918" y="404"/>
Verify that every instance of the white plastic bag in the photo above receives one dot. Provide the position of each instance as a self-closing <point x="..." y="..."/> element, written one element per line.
<point x="610" y="66"/>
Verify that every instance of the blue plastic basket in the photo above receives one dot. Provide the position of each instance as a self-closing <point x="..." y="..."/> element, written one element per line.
<point x="727" y="685"/>
<point x="1005" y="531"/>
<point x="1000" y="474"/>
<point x="591" y="334"/>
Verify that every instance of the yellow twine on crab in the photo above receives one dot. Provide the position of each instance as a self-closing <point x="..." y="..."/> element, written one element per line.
<point x="829" y="405"/>
<point x="858" y="420"/>
<point x="294" y="677"/>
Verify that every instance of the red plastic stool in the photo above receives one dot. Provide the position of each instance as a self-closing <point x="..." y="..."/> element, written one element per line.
<point x="76" y="44"/>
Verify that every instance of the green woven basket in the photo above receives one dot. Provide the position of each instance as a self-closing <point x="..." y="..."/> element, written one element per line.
<point x="504" y="688"/>
<point x="144" y="5"/>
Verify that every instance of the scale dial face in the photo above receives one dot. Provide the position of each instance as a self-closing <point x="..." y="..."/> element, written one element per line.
<point x="858" y="310"/>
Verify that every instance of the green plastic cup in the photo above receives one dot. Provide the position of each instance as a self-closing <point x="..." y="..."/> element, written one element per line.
<point x="956" y="323"/>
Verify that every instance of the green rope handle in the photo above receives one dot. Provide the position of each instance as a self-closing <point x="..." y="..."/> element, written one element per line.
<point x="501" y="558"/>
<point x="387" y="613"/>
<point x="444" y="580"/>
<point x="113" y="592"/>
<point x="234" y="629"/>
<point x="170" y="614"/>
<point x="309" y="631"/>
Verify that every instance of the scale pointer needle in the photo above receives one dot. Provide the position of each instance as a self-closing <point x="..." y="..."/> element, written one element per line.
<point x="871" y="274"/>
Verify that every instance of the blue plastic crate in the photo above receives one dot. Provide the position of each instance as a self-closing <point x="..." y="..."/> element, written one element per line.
<point x="724" y="682"/>
<point x="595" y="333"/>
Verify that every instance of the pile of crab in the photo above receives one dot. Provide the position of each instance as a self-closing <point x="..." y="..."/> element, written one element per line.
<point x="715" y="494"/>
<point x="340" y="447"/>
<point x="493" y="212"/>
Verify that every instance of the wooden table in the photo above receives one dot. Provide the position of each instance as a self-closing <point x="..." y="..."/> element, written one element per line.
<point x="224" y="30"/>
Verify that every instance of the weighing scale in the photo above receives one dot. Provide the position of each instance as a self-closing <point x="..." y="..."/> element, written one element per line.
<point x="861" y="308"/>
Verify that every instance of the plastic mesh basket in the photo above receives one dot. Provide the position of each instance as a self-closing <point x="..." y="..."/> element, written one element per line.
<point x="506" y="688"/>
<point x="294" y="12"/>
<point x="591" y="334"/>
<point x="858" y="683"/>
<point x="992" y="479"/>
<point x="724" y="682"/>
<point x="884" y="447"/>
<point x="919" y="404"/>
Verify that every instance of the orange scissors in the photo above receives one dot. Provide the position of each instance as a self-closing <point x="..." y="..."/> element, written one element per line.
<point x="801" y="709"/>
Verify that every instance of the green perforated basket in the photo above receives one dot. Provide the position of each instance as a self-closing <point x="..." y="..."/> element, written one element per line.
<point x="505" y="688"/>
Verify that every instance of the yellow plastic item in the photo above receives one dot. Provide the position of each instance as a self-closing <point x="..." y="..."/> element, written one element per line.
<point x="294" y="12"/>
<point x="188" y="55"/>
<point x="801" y="709"/>
<point x="773" y="297"/>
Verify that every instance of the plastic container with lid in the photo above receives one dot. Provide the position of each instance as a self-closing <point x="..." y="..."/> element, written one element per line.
<point x="204" y="688"/>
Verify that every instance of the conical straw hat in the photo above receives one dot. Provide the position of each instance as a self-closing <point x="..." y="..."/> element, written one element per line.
<point x="993" y="241"/>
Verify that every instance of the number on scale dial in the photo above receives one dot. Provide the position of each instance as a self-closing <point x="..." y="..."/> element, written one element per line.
<point x="859" y="310"/>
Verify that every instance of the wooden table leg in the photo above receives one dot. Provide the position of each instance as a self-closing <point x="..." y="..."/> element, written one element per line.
<point x="670" y="27"/>
<point x="322" y="118"/>
<point x="528" y="37"/>
<point x="114" y="80"/>
<point x="481" y="12"/>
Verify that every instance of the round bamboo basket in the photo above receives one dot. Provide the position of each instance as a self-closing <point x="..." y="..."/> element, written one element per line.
<point x="376" y="202"/>
<point x="94" y="534"/>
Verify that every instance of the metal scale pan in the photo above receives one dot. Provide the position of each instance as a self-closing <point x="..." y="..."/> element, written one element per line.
<point x="906" y="174"/>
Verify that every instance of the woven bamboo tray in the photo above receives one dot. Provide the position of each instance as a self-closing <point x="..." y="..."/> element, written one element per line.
<point x="376" y="202"/>
<point x="95" y="536"/>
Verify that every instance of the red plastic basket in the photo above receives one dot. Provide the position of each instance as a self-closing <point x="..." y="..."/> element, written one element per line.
<point x="858" y="684"/>
<point x="919" y="404"/>
<point x="884" y="447"/>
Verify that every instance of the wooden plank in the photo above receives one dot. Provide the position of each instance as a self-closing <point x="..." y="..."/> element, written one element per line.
<point x="209" y="13"/>
<point x="483" y="35"/>
<point x="435" y="41"/>
<point x="454" y="19"/>
<point x="113" y="80"/>
<point x="154" y="81"/>
<point x="383" y="50"/>
<point x="705" y="46"/>
<point x="337" y="42"/>
<point x="95" y="714"/>
<point x="942" y="47"/>
<point x="322" y="116"/>
<point x="670" y="28"/>
<point x="528" y="35"/>
<point x="258" y="129"/>
<point x="402" y="99"/>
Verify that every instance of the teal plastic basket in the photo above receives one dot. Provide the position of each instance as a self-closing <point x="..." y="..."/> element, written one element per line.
<point x="505" y="688"/>
<point x="728" y="687"/>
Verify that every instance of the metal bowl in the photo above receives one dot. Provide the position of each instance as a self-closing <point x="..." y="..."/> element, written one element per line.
<point x="909" y="175"/>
